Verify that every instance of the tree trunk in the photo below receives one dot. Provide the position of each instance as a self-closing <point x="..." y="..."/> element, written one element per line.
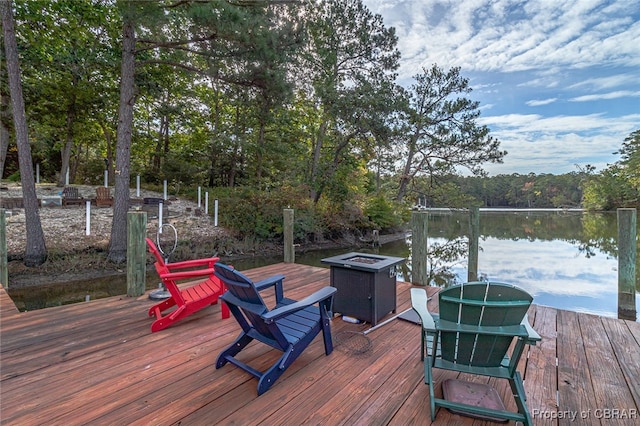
<point x="118" y="243"/>
<point x="405" y="178"/>
<point x="315" y="165"/>
<point x="68" y="146"/>
<point x="4" y="146"/>
<point x="260" y="154"/>
<point x="5" y="109"/>
<point x="108" y="137"/>
<point x="36" y="250"/>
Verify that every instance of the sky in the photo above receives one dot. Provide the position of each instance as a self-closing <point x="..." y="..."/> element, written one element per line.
<point x="558" y="81"/>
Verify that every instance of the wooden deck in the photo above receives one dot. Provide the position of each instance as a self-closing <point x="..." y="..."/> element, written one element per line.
<point x="98" y="363"/>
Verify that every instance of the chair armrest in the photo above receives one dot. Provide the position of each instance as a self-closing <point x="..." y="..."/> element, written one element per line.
<point x="533" y="335"/>
<point x="319" y="296"/>
<point x="268" y="282"/>
<point x="276" y="282"/>
<point x="192" y="263"/>
<point x="180" y="275"/>
<point x="419" y="301"/>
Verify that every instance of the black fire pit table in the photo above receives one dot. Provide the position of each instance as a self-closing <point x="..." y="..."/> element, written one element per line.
<point x="366" y="285"/>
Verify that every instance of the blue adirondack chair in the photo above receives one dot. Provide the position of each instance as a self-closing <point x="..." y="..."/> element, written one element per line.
<point x="289" y="327"/>
<point x="476" y="326"/>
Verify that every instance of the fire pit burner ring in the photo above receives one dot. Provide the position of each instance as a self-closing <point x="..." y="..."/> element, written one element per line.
<point x="367" y="260"/>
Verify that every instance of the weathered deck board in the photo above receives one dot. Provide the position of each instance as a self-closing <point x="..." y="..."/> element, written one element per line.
<point x="606" y="371"/>
<point x="539" y="364"/>
<point x="98" y="362"/>
<point x="7" y="307"/>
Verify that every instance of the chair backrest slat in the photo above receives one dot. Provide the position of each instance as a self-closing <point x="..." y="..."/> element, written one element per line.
<point x="172" y="287"/>
<point x="244" y="289"/>
<point x="155" y="252"/>
<point x="70" y="192"/>
<point x="479" y="308"/>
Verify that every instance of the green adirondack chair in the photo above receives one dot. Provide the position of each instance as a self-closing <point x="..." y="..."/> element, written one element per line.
<point x="473" y="333"/>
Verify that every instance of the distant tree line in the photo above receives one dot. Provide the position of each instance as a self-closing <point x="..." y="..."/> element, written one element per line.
<point x="615" y="186"/>
<point x="525" y="191"/>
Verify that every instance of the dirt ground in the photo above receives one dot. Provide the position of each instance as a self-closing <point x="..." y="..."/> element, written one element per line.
<point x="72" y="252"/>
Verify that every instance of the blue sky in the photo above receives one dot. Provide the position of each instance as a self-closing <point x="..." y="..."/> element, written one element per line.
<point x="558" y="81"/>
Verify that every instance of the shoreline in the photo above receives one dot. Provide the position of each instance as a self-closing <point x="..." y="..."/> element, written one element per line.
<point x="73" y="268"/>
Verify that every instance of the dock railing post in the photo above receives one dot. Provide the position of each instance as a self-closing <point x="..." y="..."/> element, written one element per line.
<point x="474" y="234"/>
<point x="419" y="248"/>
<point x="289" y="250"/>
<point x="136" y="253"/>
<point x="627" y="263"/>
<point x="4" y="272"/>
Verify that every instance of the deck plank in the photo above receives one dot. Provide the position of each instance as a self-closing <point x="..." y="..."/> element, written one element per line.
<point x="575" y="384"/>
<point x="627" y="353"/>
<point x="540" y="373"/>
<point x="610" y="388"/>
<point x="98" y="362"/>
<point x="8" y="309"/>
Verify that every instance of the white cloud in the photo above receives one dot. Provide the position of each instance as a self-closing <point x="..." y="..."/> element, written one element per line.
<point x="557" y="144"/>
<point x="541" y="102"/>
<point x="507" y="36"/>
<point x="610" y="95"/>
<point x="570" y="60"/>
<point x="608" y="82"/>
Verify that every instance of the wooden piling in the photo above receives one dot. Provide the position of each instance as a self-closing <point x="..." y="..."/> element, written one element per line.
<point x="474" y="234"/>
<point x="627" y="263"/>
<point x="289" y="250"/>
<point x="4" y="272"/>
<point x="419" y="248"/>
<point x="136" y="253"/>
<point x="375" y="236"/>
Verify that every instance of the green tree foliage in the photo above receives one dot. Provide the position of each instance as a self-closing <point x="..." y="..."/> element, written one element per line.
<point x="442" y="133"/>
<point x="68" y="47"/>
<point x="525" y="191"/>
<point x="630" y="158"/>
<point x="609" y="190"/>
<point x="617" y="185"/>
<point x="350" y="61"/>
<point x="383" y="213"/>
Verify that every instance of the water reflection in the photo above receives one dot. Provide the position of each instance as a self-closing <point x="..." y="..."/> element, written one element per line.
<point x="566" y="261"/>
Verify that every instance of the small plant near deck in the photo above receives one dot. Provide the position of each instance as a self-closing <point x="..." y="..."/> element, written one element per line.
<point x="382" y="213"/>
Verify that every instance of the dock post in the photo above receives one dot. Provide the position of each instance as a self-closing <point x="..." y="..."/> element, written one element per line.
<point x="474" y="234"/>
<point x="215" y="212"/>
<point x="4" y="272"/>
<point x="419" y="248"/>
<point x="627" y="264"/>
<point x="289" y="250"/>
<point x="87" y="226"/>
<point x="136" y="253"/>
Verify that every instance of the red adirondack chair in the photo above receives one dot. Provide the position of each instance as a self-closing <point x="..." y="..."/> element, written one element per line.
<point x="190" y="299"/>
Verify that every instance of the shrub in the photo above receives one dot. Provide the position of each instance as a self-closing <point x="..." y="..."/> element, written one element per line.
<point x="382" y="213"/>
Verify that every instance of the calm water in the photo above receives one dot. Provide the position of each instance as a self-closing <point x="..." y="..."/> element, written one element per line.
<point x="565" y="260"/>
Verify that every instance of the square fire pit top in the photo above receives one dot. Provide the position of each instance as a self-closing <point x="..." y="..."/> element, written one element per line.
<point x="363" y="261"/>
